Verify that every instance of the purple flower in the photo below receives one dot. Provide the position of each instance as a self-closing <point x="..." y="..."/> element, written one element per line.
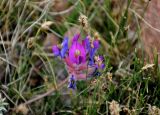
<point x="61" y="51"/>
<point x="86" y="44"/>
<point x="99" y="62"/>
<point x="56" y="50"/>
<point x="64" y="47"/>
<point x="94" y="48"/>
<point x="75" y="38"/>
<point x="91" y="47"/>
<point x="96" y="73"/>
<point x="77" y="52"/>
<point x="96" y="44"/>
<point x="72" y="82"/>
<point x="80" y="60"/>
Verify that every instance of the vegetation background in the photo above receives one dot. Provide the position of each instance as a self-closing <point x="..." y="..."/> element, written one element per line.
<point x="34" y="82"/>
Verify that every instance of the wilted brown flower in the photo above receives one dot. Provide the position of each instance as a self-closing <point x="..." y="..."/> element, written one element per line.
<point x="109" y="76"/>
<point x="153" y="110"/>
<point x="46" y="25"/>
<point x="22" y="109"/>
<point x="127" y="111"/>
<point x="30" y="42"/>
<point x="147" y="66"/>
<point x="96" y="35"/>
<point x="114" y="108"/>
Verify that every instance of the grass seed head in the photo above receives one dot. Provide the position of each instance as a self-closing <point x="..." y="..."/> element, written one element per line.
<point x="84" y="22"/>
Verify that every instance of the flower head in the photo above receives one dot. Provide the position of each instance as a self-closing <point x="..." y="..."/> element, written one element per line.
<point x="91" y="47"/>
<point x="99" y="62"/>
<point x="61" y="50"/>
<point x="79" y="58"/>
<point x="64" y="47"/>
<point x="86" y="43"/>
<point x="77" y="52"/>
<point x="56" y="50"/>
<point x="75" y="38"/>
<point x="72" y="82"/>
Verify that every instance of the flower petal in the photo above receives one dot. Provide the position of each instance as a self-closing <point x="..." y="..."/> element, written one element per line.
<point x="103" y="66"/>
<point x="72" y="82"/>
<point x="81" y="58"/>
<point x="91" y="56"/>
<point x="68" y="62"/>
<point x="96" y="44"/>
<point x="65" y="42"/>
<point x="86" y="43"/>
<point x="56" y="50"/>
<point x="64" y="47"/>
<point x="81" y="76"/>
<point x="75" y="38"/>
<point x="93" y="51"/>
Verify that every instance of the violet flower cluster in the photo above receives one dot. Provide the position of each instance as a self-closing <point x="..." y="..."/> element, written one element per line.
<point x="80" y="58"/>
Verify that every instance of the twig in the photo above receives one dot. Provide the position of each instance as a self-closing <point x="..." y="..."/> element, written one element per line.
<point x="58" y="13"/>
<point x="38" y="97"/>
<point x="8" y="62"/>
<point x="8" y="97"/>
<point x="140" y="17"/>
<point x="65" y="11"/>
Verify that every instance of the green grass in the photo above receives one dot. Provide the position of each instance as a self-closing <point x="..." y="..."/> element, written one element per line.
<point x="27" y="73"/>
